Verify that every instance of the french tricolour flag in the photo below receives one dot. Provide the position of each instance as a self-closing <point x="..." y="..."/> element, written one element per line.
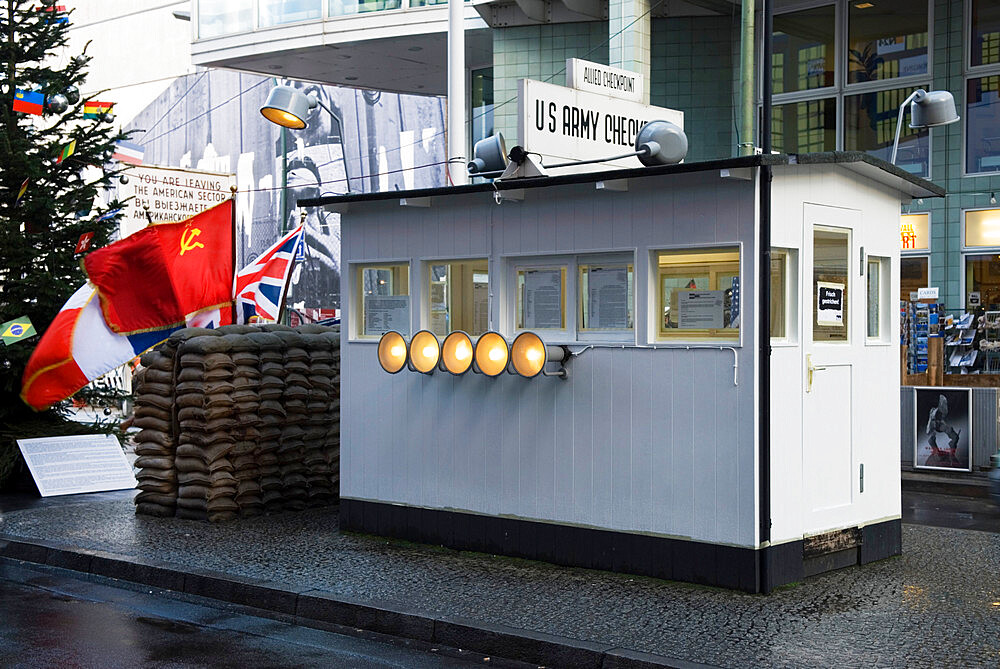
<point x="259" y="288"/>
<point x="127" y="152"/>
<point x="77" y="348"/>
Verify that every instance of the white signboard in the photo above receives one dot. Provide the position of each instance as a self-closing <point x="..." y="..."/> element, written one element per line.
<point x="928" y="293"/>
<point x="700" y="309"/>
<point x="171" y="194"/>
<point x="830" y="303"/>
<point x="76" y="464"/>
<point x="562" y="124"/>
<point x="584" y="75"/>
<point x="387" y="312"/>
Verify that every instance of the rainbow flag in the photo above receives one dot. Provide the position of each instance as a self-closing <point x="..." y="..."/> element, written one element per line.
<point x="67" y="151"/>
<point x="28" y="102"/>
<point x="94" y="109"/>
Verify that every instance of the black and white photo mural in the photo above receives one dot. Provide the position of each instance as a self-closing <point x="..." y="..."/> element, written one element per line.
<point x="367" y="141"/>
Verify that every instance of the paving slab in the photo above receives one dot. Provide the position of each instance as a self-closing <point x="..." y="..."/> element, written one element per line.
<point x="936" y="605"/>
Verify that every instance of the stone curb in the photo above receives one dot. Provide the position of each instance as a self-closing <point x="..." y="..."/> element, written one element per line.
<point x="320" y="606"/>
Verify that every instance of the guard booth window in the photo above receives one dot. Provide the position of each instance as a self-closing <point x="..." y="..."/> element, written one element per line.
<point x="383" y="299"/>
<point x="699" y="294"/>
<point x="459" y="296"/>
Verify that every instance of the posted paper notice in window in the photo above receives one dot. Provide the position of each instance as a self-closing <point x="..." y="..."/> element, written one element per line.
<point x="543" y="299"/>
<point x="829" y="303"/>
<point x="700" y="309"/>
<point x="75" y="464"/>
<point x="387" y="312"/>
<point x="607" y="299"/>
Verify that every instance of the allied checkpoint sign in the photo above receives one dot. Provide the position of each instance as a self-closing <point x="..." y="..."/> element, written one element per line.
<point x="77" y="464"/>
<point x="564" y="124"/>
<point x="171" y="194"/>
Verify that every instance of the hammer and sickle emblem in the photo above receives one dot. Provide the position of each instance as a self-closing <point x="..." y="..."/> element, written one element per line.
<point x="187" y="240"/>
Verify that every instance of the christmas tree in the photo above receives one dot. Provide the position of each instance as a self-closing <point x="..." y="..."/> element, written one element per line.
<point x="61" y="158"/>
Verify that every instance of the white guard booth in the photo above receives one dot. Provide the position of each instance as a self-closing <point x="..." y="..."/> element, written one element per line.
<point x="655" y="454"/>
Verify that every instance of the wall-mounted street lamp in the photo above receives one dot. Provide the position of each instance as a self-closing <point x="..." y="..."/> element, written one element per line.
<point x="927" y="110"/>
<point x="289" y="107"/>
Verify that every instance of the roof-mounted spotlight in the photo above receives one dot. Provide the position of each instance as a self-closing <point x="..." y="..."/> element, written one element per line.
<point x="392" y="352"/>
<point x="927" y="110"/>
<point x="424" y="352"/>
<point x="490" y="155"/>
<point x="491" y="354"/>
<point x="529" y="355"/>
<point x="456" y="353"/>
<point x="661" y="143"/>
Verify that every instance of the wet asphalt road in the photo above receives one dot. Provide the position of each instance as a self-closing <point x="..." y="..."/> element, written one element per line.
<point x="964" y="513"/>
<point x="49" y="618"/>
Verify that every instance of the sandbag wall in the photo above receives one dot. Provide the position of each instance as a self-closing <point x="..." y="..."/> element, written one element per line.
<point x="238" y="421"/>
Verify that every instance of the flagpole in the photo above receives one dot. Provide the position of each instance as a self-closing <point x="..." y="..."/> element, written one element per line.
<point x="232" y="303"/>
<point x="291" y="268"/>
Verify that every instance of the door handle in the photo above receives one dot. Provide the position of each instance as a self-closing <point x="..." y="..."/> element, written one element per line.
<point x="810" y="368"/>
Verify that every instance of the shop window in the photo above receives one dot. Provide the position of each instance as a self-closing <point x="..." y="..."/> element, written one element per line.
<point x="606" y="297"/>
<point x="886" y="39"/>
<point x="804" y="127"/>
<point x="224" y="17"/>
<point x="831" y="279"/>
<point x="877" y="285"/>
<point x="383" y="299"/>
<point x="279" y="12"/>
<point x="870" y="126"/>
<point x="982" y="125"/>
<point x="985" y="42"/>
<point x="982" y="228"/>
<point x="982" y="275"/>
<point x="804" y="51"/>
<point x="699" y="294"/>
<point x="914" y="273"/>
<point x="458" y="296"/>
<point x="914" y="232"/>
<point x="541" y="298"/>
<point x="348" y="7"/>
<point x="783" y="294"/>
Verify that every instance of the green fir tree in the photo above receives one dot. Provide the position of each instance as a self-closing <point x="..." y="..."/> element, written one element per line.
<point x="38" y="267"/>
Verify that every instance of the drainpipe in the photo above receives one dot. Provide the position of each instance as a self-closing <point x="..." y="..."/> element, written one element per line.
<point x="747" y="97"/>
<point x="764" y="291"/>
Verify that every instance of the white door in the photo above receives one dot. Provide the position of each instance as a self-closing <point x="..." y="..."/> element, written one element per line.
<point x="833" y="338"/>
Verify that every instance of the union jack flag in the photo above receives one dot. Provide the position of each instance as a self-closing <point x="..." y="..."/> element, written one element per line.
<point x="259" y="287"/>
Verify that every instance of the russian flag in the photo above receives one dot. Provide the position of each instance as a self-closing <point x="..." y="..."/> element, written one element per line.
<point x="77" y="348"/>
<point x="127" y="152"/>
<point x="29" y="102"/>
<point x="259" y="288"/>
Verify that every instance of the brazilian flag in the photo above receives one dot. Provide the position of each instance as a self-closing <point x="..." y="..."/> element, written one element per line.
<point x="16" y="330"/>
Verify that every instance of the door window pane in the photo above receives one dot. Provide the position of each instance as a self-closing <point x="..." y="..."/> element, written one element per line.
<point x="982" y="122"/>
<point x="384" y="299"/>
<point x="804" y="53"/>
<point x="459" y="296"/>
<point x="606" y="296"/>
<point x="913" y="274"/>
<point x="870" y="126"/>
<point x="982" y="228"/>
<point x="874" y="297"/>
<point x="541" y="298"/>
<point x="831" y="265"/>
<point x="699" y="294"/>
<point x="985" y="42"/>
<point x="886" y="39"/>
<point x="803" y="127"/>
<point x="982" y="275"/>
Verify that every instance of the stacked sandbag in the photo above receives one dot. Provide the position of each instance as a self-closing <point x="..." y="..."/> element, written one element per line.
<point x="295" y="399"/>
<point x="206" y="418"/>
<point x="272" y="416"/>
<point x="246" y="435"/>
<point x="332" y="441"/>
<point x="319" y="407"/>
<point x="154" y="444"/>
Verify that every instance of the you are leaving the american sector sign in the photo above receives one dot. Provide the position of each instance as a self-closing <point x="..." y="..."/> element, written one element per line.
<point x="563" y="124"/>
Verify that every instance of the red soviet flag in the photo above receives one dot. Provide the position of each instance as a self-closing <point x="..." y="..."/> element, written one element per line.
<point x="165" y="272"/>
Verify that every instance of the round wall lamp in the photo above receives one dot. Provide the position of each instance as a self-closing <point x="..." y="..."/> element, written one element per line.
<point x="288" y="107"/>
<point x="456" y="353"/>
<point x="392" y="352"/>
<point x="491" y="354"/>
<point x="425" y="351"/>
<point x="529" y="354"/>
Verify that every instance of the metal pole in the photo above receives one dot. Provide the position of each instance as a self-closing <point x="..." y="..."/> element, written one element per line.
<point x="764" y="292"/>
<point x="747" y="97"/>
<point x="456" y="93"/>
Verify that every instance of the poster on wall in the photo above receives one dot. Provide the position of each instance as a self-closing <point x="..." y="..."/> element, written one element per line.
<point x="943" y="430"/>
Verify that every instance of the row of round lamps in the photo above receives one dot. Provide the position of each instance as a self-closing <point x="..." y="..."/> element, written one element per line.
<point x="457" y="354"/>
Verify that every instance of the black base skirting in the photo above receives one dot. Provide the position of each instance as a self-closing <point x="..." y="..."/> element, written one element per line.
<point x="659" y="557"/>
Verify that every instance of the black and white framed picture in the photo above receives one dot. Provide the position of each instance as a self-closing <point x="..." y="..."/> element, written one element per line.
<point x="943" y="434"/>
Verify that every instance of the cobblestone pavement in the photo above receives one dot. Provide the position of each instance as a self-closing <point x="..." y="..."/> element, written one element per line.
<point x="938" y="605"/>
